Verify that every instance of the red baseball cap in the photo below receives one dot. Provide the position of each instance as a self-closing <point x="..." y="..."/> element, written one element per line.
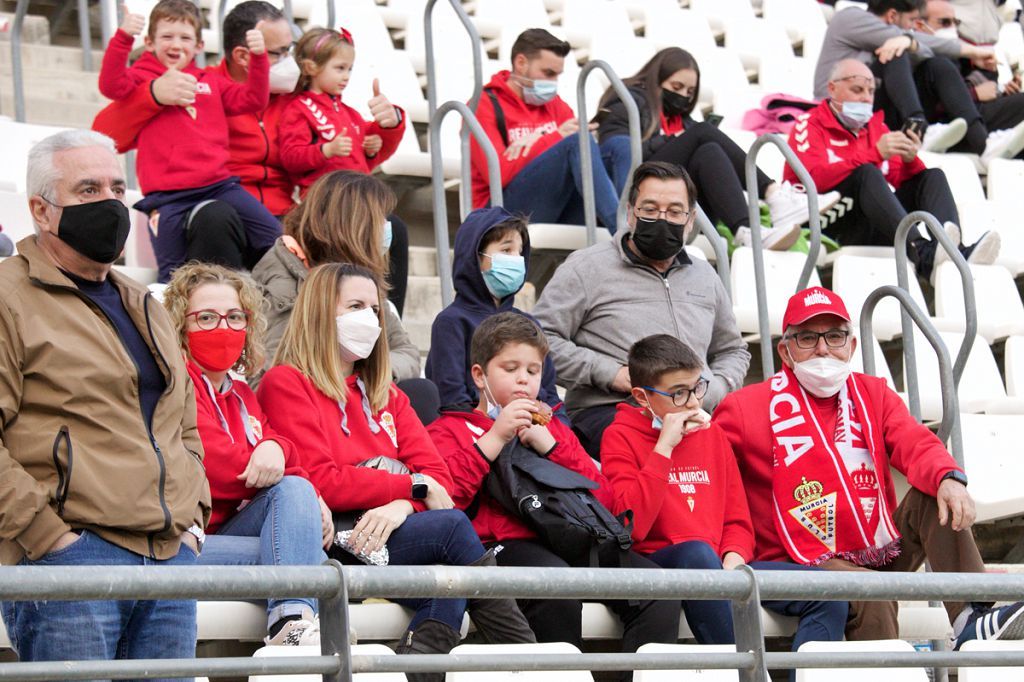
<point x="804" y="305"/>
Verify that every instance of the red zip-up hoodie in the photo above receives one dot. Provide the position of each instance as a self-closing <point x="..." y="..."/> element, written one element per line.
<point x="521" y="120"/>
<point x="311" y="120"/>
<point x="695" y="495"/>
<point x="830" y="152"/>
<point x="228" y="452"/>
<point x="184" y="147"/>
<point x="913" y="450"/>
<point x="455" y="433"/>
<point x="335" y="441"/>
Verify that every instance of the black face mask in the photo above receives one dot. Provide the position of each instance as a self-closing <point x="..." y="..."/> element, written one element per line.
<point x="674" y="104"/>
<point x="98" y="230"/>
<point x="658" y="240"/>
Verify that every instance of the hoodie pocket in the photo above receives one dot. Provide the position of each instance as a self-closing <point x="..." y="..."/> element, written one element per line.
<point x="63" y="469"/>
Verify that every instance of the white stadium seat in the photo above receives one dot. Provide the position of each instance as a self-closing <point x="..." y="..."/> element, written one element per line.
<point x="753" y="39"/>
<point x="961" y="173"/>
<point x="782" y="273"/>
<point x="357" y="650"/>
<point x="664" y="26"/>
<point x="1002" y="674"/>
<point x="859" y="674"/>
<point x="519" y="675"/>
<point x="1000" y="311"/>
<point x="686" y="675"/>
<point x="993" y="464"/>
<point x="882" y="368"/>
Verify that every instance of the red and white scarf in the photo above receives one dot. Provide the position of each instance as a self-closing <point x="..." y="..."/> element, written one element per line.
<point x="822" y="510"/>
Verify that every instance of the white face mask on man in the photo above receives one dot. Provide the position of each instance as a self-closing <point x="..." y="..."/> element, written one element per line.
<point x="822" y="377"/>
<point x="284" y="75"/>
<point x="357" y="333"/>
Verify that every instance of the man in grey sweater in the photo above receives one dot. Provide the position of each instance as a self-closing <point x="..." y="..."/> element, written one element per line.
<point x="603" y="299"/>
<point x="918" y="79"/>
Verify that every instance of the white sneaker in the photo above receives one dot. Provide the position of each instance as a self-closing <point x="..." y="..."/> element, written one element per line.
<point x="985" y="251"/>
<point x="941" y="136"/>
<point x="772" y="238"/>
<point x="1003" y="144"/>
<point x="302" y="632"/>
<point x="953" y="232"/>
<point x="788" y="205"/>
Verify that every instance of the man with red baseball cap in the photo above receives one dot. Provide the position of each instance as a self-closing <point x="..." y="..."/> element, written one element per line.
<point x="814" y="445"/>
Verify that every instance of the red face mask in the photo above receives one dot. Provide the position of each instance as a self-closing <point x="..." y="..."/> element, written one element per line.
<point x="217" y="349"/>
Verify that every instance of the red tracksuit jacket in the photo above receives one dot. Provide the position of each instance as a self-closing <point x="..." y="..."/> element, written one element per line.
<point x="913" y="450"/>
<point x="455" y="433"/>
<point x="228" y="452"/>
<point x="299" y="411"/>
<point x="184" y="147"/>
<point x="310" y="120"/>
<point x="521" y="119"/>
<point x="830" y="152"/>
<point x="697" y="495"/>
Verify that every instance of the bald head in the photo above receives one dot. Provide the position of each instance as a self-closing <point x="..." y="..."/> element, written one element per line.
<point x="851" y="81"/>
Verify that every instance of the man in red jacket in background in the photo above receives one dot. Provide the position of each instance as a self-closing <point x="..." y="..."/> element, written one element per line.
<point x="814" y="445"/>
<point x="846" y="147"/>
<point x="534" y="133"/>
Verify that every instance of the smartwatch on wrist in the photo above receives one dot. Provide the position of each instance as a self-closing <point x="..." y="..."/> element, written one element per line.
<point x="419" y="487"/>
<point x="958" y="476"/>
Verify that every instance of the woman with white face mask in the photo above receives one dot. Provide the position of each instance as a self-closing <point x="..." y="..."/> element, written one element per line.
<point x="330" y="389"/>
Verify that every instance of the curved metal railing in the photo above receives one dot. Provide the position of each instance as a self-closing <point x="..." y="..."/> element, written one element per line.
<point x="586" y="156"/>
<point x="472" y="126"/>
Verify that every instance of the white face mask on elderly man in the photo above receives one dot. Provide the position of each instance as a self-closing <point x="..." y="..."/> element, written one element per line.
<point x="822" y="377"/>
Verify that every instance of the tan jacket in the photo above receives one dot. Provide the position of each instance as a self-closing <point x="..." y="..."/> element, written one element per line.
<point x="280" y="273"/>
<point x="64" y="370"/>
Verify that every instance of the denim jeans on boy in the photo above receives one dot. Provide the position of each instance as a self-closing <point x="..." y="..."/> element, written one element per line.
<point x="102" y="630"/>
<point x="279" y="527"/>
<point x="711" y="620"/>
<point x="439" y="536"/>
<point x="550" y="188"/>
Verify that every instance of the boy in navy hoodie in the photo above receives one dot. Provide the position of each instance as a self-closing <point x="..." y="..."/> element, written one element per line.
<point x="492" y="253"/>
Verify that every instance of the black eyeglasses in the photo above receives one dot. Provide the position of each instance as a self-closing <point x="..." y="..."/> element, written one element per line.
<point x="281" y="54"/>
<point x="834" y="338"/>
<point x="946" y="22"/>
<point x="682" y="396"/>
<point x="210" y="319"/>
<point x="674" y="215"/>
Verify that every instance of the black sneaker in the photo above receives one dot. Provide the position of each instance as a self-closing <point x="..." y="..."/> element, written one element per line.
<point x="1002" y="622"/>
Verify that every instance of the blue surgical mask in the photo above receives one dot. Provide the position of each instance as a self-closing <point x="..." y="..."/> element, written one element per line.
<point x="855" y="115"/>
<point x="493" y="408"/>
<point x="656" y="422"/>
<point x="387" y="235"/>
<point x="506" y="275"/>
<point x="541" y="92"/>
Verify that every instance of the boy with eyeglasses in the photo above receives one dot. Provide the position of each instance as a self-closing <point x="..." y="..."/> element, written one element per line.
<point x="675" y="469"/>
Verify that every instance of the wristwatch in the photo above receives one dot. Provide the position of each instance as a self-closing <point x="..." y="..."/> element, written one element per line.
<point x="199" y="534"/>
<point x="958" y="476"/>
<point x="419" y="487"/>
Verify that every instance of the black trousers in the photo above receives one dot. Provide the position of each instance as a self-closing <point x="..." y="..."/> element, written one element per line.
<point x="561" y="620"/>
<point x="1005" y="111"/>
<point x="933" y="89"/>
<point x="589" y="426"/>
<point x="877" y="210"/>
<point x="717" y="166"/>
<point x="398" y="267"/>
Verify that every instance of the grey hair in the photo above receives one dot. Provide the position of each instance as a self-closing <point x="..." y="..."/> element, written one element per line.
<point x="42" y="175"/>
<point x="839" y="68"/>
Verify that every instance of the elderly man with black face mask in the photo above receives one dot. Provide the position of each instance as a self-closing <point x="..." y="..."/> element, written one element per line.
<point x="100" y="459"/>
<point x="846" y="147"/>
<point x="814" y="445"/>
<point x="605" y="298"/>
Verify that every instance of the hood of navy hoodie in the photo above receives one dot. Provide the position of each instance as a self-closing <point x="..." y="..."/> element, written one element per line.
<point x="470" y="288"/>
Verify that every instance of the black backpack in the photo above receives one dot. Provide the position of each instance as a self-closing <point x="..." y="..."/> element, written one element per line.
<point x="558" y="504"/>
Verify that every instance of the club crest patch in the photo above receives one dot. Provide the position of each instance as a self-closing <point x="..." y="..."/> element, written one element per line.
<point x="388" y="423"/>
<point x="816" y="512"/>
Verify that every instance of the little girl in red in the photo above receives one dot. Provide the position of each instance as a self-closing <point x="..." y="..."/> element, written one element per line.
<point x="318" y="133"/>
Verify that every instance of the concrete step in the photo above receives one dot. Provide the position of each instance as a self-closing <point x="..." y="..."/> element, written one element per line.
<point x="57" y="85"/>
<point x="55" y="57"/>
<point x="35" y="29"/>
<point x="44" y="110"/>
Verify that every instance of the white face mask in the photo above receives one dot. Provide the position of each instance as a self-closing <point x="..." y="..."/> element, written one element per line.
<point x="948" y="32"/>
<point x="284" y="75"/>
<point x="822" y="377"/>
<point x="357" y="333"/>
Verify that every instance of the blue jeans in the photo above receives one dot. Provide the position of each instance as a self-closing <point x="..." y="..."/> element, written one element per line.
<point x="440" y="536"/>
<point x="711" y="620"/>
<point x="102" y="630"/>
<point x="550" y="188"/>
<point x="279" y="527"/>
<point x="617" y="156"/>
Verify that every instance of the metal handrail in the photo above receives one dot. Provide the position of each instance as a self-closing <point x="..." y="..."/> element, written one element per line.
<point x="754" y="214"/>
<point x="950" y="426"/>
<point x="108" y="20"/>
<point x="722" y="264"/>
<point x="585" y="139"/>
<point x="465" y="187"/>
<point x="472" y="125"/>
<point x="16" y="68"/>
<point x="970" y="305"/>
<point x="84" y="34"/>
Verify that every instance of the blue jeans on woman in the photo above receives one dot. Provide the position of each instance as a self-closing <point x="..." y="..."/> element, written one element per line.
<point x="711" y="620"/>
<point x="102" y="630"/>
<point x="279" y="527"/>
<point x="550" y="188"/>
<point x="439" y="536"/>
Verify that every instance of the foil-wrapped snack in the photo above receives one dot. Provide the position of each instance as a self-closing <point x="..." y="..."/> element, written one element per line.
<point x="378" y="558"/>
